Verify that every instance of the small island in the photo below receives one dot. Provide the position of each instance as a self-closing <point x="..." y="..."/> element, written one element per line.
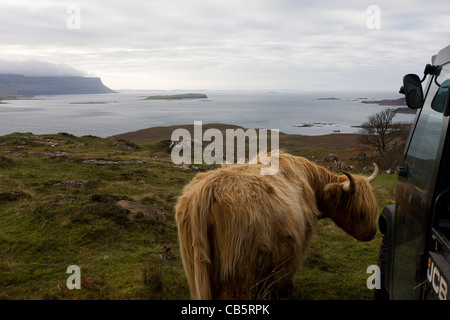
<point x="179" y="96"/>
<point x="387" y="102"/>
<point x="400" y="103"/>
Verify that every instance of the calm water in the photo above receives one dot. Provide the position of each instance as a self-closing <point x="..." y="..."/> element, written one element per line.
<point x="104" y="115"/>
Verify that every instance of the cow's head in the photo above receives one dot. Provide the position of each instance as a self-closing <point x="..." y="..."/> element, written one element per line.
<point x="350" y="202"/>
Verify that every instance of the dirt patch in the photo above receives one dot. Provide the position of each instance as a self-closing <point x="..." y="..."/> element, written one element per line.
<point x="141" y="211"/>
<point x="72" y="183"/>
<point x="9" y="196"/>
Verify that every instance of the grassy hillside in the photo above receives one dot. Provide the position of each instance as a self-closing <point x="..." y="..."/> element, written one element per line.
<point x="106" y="205"/>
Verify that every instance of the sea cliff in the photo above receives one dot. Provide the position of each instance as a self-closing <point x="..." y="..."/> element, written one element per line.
<point x="12" y="84"/>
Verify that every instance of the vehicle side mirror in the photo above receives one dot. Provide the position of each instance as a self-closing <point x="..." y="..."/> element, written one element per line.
<point x="412" y="89"/>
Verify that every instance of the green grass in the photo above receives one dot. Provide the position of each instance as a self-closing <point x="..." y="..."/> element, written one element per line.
<point x="45" y="227"/>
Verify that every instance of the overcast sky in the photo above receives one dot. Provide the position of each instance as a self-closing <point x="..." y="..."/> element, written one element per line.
<point x="227" y="44"/>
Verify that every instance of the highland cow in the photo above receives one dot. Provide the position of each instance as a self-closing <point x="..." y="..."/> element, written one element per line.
<point x="243" y="234"/>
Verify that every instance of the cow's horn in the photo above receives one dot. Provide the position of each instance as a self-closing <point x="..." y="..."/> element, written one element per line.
<point x="349" y="186"/>
<point x="374" y="174"/>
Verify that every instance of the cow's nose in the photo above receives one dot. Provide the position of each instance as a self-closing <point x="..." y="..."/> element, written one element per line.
<point x="367" y="236"/>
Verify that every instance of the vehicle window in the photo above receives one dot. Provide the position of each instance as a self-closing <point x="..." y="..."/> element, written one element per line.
<point x="442" y="81"/>
<point x="423" y="148"/>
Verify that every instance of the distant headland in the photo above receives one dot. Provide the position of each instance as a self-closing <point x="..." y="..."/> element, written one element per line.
<point x="387" y="102"/>
<point x="19" y="85"/>
<point x="400" y="103"/>
<point x="179" y="96"/>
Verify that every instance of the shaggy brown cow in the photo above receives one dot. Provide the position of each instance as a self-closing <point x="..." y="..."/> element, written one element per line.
<point x="242" y="233"/>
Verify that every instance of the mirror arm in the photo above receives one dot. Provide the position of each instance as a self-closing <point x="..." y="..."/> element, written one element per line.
<point x="429" y="69"/>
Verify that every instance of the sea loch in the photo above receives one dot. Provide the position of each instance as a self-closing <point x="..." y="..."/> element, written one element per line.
<point x="104" y="115"/>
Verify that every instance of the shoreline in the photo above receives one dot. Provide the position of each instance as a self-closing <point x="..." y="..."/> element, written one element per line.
<point x="159" y="133"/>
<point x="165" y="132"/>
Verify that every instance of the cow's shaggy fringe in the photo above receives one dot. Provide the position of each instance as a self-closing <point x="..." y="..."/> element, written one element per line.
<point x="239" y="229"/>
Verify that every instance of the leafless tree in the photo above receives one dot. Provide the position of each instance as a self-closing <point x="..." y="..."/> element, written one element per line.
<point x="380" y="129"/>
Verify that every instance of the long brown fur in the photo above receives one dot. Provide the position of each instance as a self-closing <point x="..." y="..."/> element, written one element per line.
<point x="242" y="233"/>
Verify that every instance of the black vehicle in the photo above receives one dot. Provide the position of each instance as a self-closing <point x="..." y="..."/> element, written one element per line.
<point x="415" y="252"/>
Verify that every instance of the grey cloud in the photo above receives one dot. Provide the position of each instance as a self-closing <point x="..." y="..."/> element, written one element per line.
<point x="242" y="44"/>
<point x="38" y="68"/>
